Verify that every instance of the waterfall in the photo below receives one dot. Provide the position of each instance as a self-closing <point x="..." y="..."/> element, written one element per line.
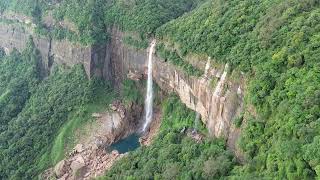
<point x="216" y="100"/>
<point x="149" y="96"/>
<point x="219" y="88"/>
<point x="196" y="121"/>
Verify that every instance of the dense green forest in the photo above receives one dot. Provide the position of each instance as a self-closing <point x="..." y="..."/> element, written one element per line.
<point x="32" y="8"/>
<point x="27" y="7"/>
<point x="175" y="59"/>
<point x="91" y="18"/>
<point x="145" y="16"/>
<point x="19" y="74"/>
<point x="29" y="135"/>
<point x="277" y="43"/>
<point x="32" y="111"/>
<point x="173" y="155"/>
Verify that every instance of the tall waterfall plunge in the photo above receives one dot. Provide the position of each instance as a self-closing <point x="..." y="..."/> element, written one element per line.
<point x="149" y="96"/>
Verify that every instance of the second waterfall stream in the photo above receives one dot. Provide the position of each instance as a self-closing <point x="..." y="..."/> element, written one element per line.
<point x="149" y="95"/>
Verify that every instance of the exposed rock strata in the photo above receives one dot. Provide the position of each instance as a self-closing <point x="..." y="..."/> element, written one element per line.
<point x="115" y="61"/>
<point x="95" y="59"/>
<point x="218" y="106"/>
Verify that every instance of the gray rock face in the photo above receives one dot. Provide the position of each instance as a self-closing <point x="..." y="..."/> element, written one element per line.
<point x="13" y="36"/>
<point x="77" y="164"/>
<point x="218" y="105"/>
<point x="125" y="59"/>
<point x="95" y="59"/>
<point x="68" y="54"/>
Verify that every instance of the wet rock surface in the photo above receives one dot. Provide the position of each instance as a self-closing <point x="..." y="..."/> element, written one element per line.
<point x="147" y="138"/>
<point x="218" y="104"/>
<point x="90" y="159"/>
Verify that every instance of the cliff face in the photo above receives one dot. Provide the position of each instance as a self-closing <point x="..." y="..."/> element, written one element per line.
<point x="13" y="36"/>
<point x="218" y="103"/>
<point x="125" y="59"/>
<point x="95" y="58"/>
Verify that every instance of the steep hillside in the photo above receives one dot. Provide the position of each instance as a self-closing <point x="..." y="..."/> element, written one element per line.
<point x="30" y="132"/>
<point x="87" y="21"/>
<point x="176" y="153"/>
<point x="247" y="67"/>
<point x="277" y="43"/>
<point x="19" y="74"/>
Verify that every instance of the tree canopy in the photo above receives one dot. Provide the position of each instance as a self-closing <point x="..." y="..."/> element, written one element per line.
<point x="277" y="44"/>
<point x="32" y="111"/>
<point x="173" y="155"/>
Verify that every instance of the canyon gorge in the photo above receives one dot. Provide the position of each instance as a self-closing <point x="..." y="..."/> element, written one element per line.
<point x="218" y="104"/>
<point x="159" y="89"/>
<point x="115" y="61"/>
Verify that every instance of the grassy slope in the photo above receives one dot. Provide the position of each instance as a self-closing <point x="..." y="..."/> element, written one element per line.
<point x="66" y="138"/>
<point x="102" y="96"/>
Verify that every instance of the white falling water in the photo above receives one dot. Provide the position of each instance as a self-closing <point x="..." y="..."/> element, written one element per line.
<point x="196" y="121"/>
<point x="219" y="88"/>
<point x="206" y="71"/>
<point x="149" y="96"/>
<point x="216" y="97"/>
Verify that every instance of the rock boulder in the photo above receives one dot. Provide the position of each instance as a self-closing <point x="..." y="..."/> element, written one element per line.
<point x="60" y="169"/>
<point x="77" y="164"/>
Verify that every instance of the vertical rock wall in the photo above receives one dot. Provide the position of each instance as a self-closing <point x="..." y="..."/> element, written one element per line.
<point x="14" y="36"/>
<point x="95" y="59"/>
<point x="218" y="104"/>
<point x="125" y="59"/>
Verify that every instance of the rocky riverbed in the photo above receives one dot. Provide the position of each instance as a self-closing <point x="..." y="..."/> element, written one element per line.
<point x="89" y="157"/>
